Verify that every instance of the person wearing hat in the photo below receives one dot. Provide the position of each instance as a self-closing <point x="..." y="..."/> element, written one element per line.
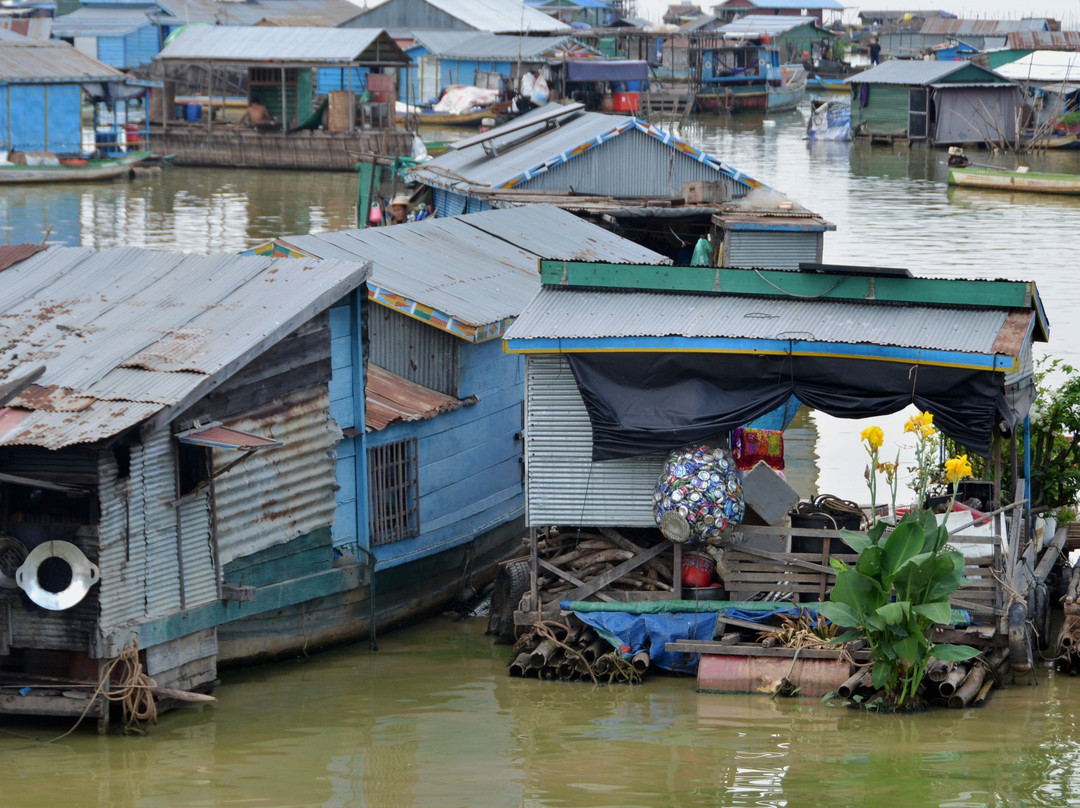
<point x="398" y="210"/>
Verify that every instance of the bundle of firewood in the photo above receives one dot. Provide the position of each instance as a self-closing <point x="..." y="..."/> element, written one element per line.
<point x="585" y="554"/>
<point x="1067" y="654"/>
<point x="567" y="649"/>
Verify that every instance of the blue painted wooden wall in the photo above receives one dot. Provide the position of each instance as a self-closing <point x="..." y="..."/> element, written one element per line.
<point x="451" y="71"/>
<point x="470" y="472"/>
<point x="469" y="460"/>
<point x="334" y="78"/>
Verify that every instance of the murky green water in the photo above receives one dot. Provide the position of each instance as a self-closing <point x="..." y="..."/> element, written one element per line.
<point x="432" y="719"/>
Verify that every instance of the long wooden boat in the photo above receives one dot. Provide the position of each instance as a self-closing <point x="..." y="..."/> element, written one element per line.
<point x="976" y="177"/>
<point x="472" y="118"/>
<point x="831" y="85"/>
<point x="91" y="171"/>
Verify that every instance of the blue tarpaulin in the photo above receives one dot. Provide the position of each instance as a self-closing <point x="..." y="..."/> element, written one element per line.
<point x="630" y="633"/>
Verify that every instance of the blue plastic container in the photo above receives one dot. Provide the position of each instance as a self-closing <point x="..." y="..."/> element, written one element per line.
<point x="194" y="112"/>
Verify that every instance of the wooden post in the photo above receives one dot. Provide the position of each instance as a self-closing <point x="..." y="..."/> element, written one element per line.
<point x="676" y="571"/>
<point x="284" y="105"/>
<point x="103" y="703"/>
<point x="534" y="571"/>
<point x="210" y="100"/>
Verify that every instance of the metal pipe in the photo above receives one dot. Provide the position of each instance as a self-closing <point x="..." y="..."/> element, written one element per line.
<point x="937" y="670"/>
<point x="595" y="650"/>
<point x="520" y="664"/>
<point x="542" y="653"/>
<point x="640" y="661"/>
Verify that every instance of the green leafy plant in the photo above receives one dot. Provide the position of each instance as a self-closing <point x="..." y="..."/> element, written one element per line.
<point x="901" y="583"/>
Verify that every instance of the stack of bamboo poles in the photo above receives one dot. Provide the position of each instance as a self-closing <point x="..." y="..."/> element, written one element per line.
<point x="1067" y="654"/>
<point x="587" y="554"/>
<point x="952" y="684"/>
<point x="567" y="649"/>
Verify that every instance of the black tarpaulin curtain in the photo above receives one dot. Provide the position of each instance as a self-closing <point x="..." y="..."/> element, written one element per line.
<point x="641" y="403"/>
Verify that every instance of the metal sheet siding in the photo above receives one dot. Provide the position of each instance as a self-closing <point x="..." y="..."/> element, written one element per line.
<point x="413" y="350"/>
<point x="197" y="552"/>
<point x="27" y="123"/>
<point x="64" y="102"/>
<point x="886" y="111"/>
<point x="656" y="170"/>
<point x="776" y="250"/>
<point x="564" y="486"/>
<point x="110" y="50"/>
<point x="448" y="203"/>
<point x="158" y="489"/>
<point x="277" y="495"/>
<point x="141" y="46"/>
<point x="123" y="552"/>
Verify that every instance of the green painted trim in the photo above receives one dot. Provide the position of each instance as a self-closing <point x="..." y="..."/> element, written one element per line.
<point x="995" y="294"/>
<point x="318" y="538"/>
<point x="218" y="612"/>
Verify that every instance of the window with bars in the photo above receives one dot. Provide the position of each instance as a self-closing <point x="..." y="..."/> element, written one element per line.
<point x="393" y="499"/>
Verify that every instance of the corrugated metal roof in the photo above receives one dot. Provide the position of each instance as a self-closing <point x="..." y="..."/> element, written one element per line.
<point x="943" y="27"/>
<point x="917" y="71"/>
<point x="239" y="43"/>
<point x="573" y="137"/>
<point x="764" y="24"/>
<point x="125" y="333"/>
<point x="1036" y="40"/>
<point x="496" y="15"/>
<point x="574" y="314"/>
<point x="35" y="61"/>
<point x="328" y="13"/>
<point x="482" y="45"/>
<point x="97" y="21"/>
<point x="826" y="5"/>
<point x="480" y="268"/>
<point x="33" y="27"/>
<point x="1043" y="65"/>
<point x="390" y="398"/>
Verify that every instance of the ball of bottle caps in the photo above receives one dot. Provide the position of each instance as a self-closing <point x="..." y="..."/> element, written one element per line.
<point x="698" y="495"/>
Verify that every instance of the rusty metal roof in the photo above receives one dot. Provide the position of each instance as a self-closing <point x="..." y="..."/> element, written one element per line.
<point x="390" y="398"/>
<point x="943" y="27"/>
<point x="478" y="269"/>
<point x="14" y="253"/>
<point x="1043" y="40"/>
<point x="128" y="334"/>
<point x="32" y="61"/>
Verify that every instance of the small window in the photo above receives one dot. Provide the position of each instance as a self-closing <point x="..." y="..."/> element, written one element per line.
<point x="392" y="492"/>
<point x="193" y="467"/>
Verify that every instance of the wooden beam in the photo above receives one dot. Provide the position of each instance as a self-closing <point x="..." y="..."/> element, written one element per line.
<point x="614" y="574"/>
<point x="568" y="577"/>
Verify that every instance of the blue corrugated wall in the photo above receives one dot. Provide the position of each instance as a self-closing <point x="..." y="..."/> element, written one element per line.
<point x="141" y="46"/>
<point x="470" y="472"/>
<point x="110" y="50"/>
<point x="331" y="78"/>
<point x="26" y="126"/>
<point x="65" y="124"/>
<point x="451" y="71"/>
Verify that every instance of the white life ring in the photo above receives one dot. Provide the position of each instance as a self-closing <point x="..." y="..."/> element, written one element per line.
<point x="84" y="575"/>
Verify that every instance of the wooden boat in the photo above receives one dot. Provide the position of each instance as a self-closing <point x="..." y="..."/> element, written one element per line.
<point x="1070" y="140"/>
<point x="830" y="85"/>
<point x="1003" y="180"/>
<point x="92" y="170"/>
<point x="472" y="118"/>
<point x="787" y="95"/>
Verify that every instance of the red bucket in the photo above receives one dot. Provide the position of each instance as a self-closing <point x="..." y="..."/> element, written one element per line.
<point x="697" y="569"/>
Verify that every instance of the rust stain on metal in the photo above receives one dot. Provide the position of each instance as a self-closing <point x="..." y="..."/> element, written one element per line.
<point x="11" y="255"/>
<point x="1010" y="340"/>
<point x="391" y="398"/>
<point x="53" y="398"/>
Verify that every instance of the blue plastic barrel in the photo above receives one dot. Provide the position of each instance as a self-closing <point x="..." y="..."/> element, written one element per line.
<point x="194" y="112"/>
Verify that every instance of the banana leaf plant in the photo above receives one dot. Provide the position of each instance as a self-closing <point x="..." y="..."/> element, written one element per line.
<point x="897" y="590"/>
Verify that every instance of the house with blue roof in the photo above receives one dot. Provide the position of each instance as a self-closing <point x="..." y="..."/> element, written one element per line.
<point x="733" y="9"/>
<point x="119" y="34"/>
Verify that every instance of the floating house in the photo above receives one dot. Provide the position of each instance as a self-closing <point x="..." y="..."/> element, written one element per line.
<point x="495" y="16"/>
<point x="44" y="85"/>
<point x="1051" y="85"/>
<point x="733" y="9"/>
<point x="174" y="14"/>
<point x="284" y="69"/>
<point x="349" y="459"/>
<point x="937" y="102"/>
<point x="120" y="35"/>
<point x="625" y="365"/>
<point x="579" y="13"/>
<point x="741" y="60"/>
<point x="443" y="58"/>
<point x="910" y="42"/>
<point x="617" y="171"/>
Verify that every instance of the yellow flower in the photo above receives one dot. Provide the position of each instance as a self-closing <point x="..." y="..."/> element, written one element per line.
<point x="957" y="468"/>
<point x="873" y="437"/>
<point x="922" y="423"/>
<point x="890" y="471"/>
